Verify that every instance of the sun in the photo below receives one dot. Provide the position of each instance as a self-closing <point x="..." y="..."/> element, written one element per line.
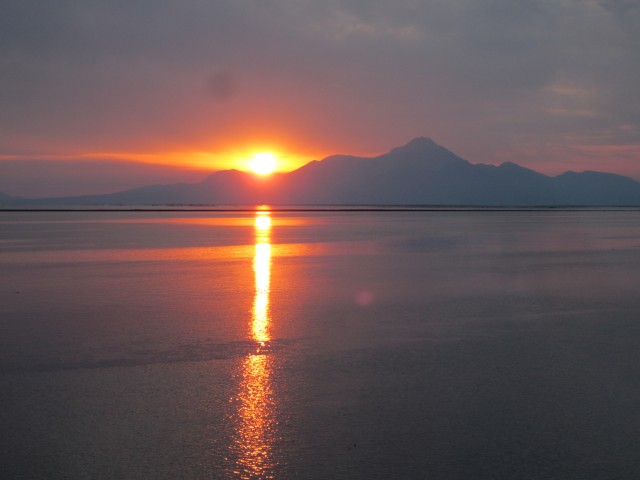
<point x="263" y="163"/>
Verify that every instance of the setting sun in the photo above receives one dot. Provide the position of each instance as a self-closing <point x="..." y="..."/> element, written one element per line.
<point x="263" y="163"/>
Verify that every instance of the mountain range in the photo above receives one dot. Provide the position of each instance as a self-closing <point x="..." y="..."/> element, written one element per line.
<point x="418" y="173"/>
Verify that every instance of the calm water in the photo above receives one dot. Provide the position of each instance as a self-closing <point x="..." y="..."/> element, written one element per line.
<point x="375" y="345"/>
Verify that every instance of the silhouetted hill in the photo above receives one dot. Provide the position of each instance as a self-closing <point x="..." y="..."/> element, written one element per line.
<point x="418" y="173"/>
<point x="425" y="173"/>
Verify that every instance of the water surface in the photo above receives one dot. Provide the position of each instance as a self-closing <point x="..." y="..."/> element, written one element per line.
<point x="442" y="344"/>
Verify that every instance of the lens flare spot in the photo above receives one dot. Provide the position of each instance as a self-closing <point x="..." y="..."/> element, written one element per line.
<point x="364" y="298"/>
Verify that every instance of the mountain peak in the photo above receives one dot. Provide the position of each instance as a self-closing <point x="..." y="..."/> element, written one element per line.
<point x="417" y="145"/>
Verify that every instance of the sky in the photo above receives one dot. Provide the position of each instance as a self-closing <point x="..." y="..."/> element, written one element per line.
<point x="98" y="96"/>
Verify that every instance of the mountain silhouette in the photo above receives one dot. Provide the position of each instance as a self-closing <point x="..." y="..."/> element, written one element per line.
<point x="418" y="173"/>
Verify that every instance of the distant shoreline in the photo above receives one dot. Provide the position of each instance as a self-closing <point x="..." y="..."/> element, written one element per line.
<point x="327" y="208"/>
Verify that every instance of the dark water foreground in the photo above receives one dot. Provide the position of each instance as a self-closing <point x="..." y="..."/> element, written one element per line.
<point x="439" y="345"/>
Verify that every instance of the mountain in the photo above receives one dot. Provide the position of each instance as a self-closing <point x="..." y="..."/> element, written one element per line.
<point x="418" y="173"/>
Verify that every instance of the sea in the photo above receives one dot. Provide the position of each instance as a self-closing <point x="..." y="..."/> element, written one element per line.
<point x="294" y="343"/>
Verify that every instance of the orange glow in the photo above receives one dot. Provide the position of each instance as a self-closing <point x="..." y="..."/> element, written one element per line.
<point x="256" y="430"/>
<point x="209" y="161"/>
<point x="263" y="163"/>
<point x="206" y="153"/>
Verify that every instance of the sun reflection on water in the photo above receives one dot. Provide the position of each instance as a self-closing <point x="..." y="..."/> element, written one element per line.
<point x="256" y="429"/>
<point x="262" y="271"/>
